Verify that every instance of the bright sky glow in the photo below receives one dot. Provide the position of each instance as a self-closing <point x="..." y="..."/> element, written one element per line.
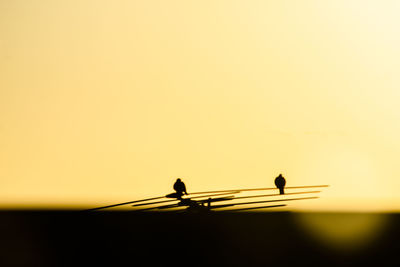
<point x="108" y="101"/>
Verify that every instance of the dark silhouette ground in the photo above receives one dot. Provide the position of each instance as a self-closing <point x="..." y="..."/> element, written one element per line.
<point x="72" y="238"/>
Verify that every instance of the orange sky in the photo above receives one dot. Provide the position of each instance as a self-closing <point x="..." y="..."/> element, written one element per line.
<point x="109" y="101"/>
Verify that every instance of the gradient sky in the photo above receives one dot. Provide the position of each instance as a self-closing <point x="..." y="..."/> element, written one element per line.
<point x="108" y="101"/>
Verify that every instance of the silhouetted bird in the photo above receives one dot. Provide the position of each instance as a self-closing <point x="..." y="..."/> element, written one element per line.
<point x="180" y="188"/>
<point x="280" y="183"/>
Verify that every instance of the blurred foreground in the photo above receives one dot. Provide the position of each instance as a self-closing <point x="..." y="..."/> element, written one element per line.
<point x="74" y="238"/>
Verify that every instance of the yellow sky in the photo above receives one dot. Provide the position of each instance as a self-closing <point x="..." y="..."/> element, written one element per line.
<point x="109" y="101"/>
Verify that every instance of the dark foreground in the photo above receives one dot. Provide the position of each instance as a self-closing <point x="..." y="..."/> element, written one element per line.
<point x="71" y="238"/>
